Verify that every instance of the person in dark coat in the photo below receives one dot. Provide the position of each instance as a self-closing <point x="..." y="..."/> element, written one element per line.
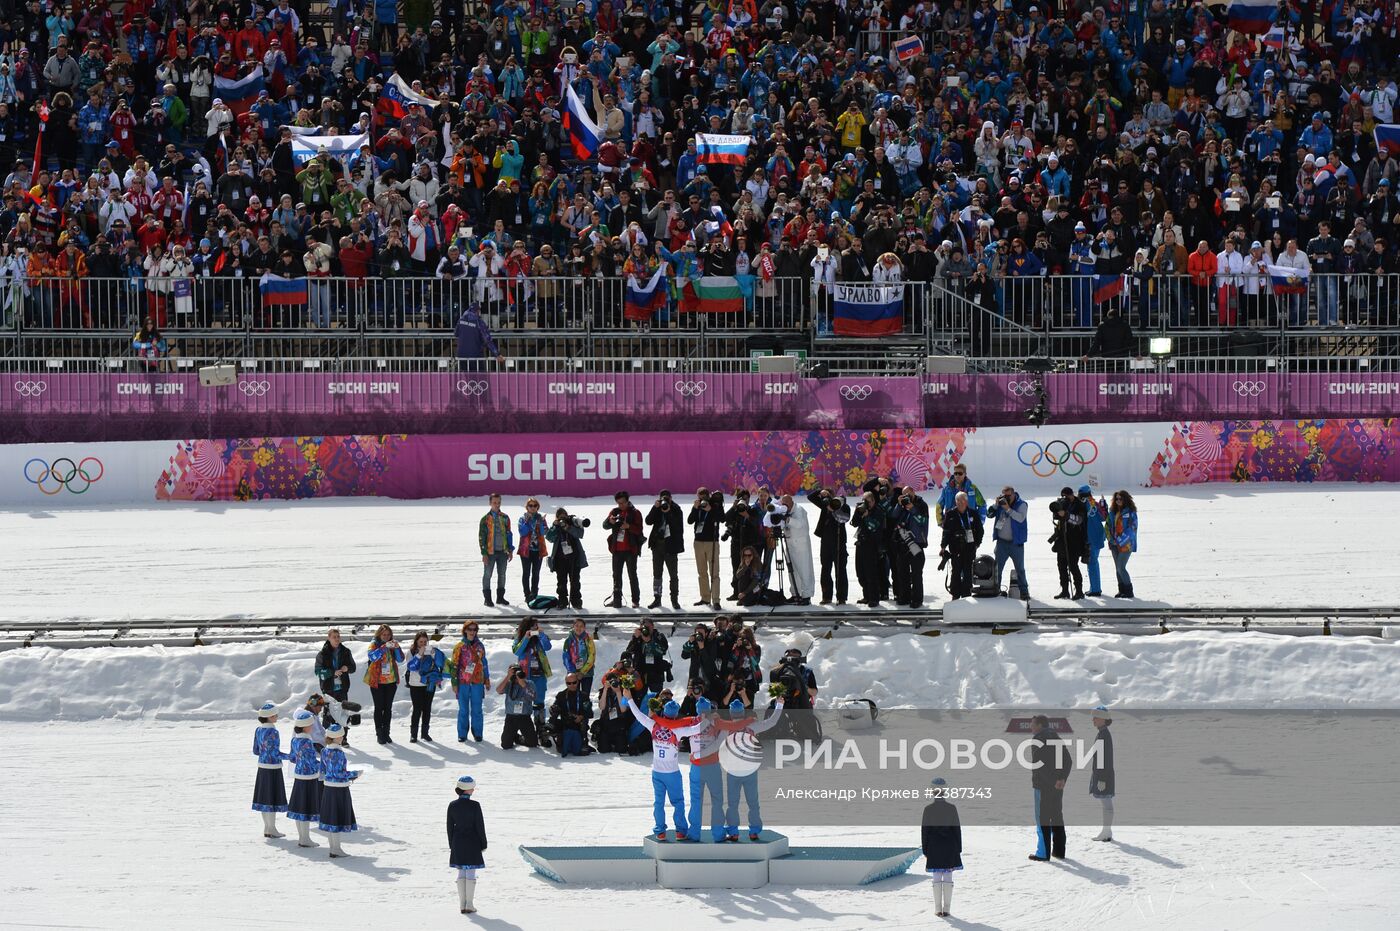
<point x="474" y="342"/>
<point x="962" y="535"/>
<point x="1101" y="779"/>
<point x="466" y="835"/>
<point x="743" y="527"/>
<point x="333" y="667"/>
<point x="666" y="540"/>
<point x="569" y="717"/>
<point x="1113" y="338"/>
<point x="831" y="530"/>
<point x="1070" y="540"/>
<point x="1050" y="759"/>
<point x="942" y="843"/>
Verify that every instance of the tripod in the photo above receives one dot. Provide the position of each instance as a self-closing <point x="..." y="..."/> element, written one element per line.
<point x="781" y="560"/>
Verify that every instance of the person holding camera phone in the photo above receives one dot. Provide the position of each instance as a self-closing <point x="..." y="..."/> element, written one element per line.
<point x="706" y="515"/>
<point x="667" y="542"/>
<point x="425" y="674"/>
<point x="833" y="515"/>
<point x="497" y="550"/>
<point x="382" y="677"/>
<point x="624" y="527"/>
<point x="520" y="699"/>
<point x="1008" y="514"/>
<point x="530" y="646"/>
<point x="568" y="558"/>
<point x="962" y="535"/>
<point x="533" y="548"/>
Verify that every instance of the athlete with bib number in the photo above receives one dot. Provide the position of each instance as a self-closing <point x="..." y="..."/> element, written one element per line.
<point x="666" y="732"/>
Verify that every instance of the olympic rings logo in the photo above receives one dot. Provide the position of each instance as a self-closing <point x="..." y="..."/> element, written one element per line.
<point x="30" y="389"/>
<point x="1248" y="389"/>
<point x="254" y="389"/>
<point x="1062" y="457"/>
<point x="473" y="389"/>
<point x="856" y="392"/>
<point x="691" y="389"/>
<point x="1021" y="389"/>
<point x="64" y="473"/>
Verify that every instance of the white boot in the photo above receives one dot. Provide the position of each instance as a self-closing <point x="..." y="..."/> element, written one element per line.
<point x="947" y="898"/>
<point x="938" y="897"/>
<point x="335" y="846"/>
<point x="468" y="889"/>
<point x="270" y="825"/>
<point x="1107" y="832"/>
<point x="304" y="835"/>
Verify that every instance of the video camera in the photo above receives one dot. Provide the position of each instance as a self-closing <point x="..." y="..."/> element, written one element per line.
<point x="568" y="520"/>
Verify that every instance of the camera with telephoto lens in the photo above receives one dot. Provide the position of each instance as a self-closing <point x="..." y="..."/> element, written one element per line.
<point x="568" y="520"/>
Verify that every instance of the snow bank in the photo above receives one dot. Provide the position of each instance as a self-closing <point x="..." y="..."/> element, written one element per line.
<point x="1179" y="670"/>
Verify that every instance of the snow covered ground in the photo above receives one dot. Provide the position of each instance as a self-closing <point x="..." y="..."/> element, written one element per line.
<point x="1203" y="546"/>
<point x="132" y="774"/>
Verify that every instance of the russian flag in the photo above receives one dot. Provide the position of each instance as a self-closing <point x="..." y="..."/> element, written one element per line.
<point x="584" y="134"/>
<point x="240" y="94"/>
<point x="867" y="309"/>
<point x="718" y="149"/>
<point x="1251" y="16"/>
<point x="1107" y="287"/>
<point x="278" y="291"/>
<point x="643" y="300"/>
<point x="1388" y="137"/>
<point x="1288" y="280"/>
<point x="1274" y="38"/>
<point x="396" y="96"/>
<point x="908" y="47"/>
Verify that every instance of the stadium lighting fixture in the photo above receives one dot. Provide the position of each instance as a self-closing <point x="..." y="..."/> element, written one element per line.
<point x="1159" y="347"/>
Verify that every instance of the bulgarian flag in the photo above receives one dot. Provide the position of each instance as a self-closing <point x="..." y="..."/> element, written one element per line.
<point x="712" y="295"/>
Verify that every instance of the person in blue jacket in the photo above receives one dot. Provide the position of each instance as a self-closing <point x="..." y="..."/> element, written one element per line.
<point x="474" y="342"/>
<point x="425" y="674"/>
<point x="337" y="815"/>
<point x="1008" y="514"/>
<point x="305" y="804"/>
<point x="1122" y="538"/>
<point x="1101" y="781"/>
<point x="530" y="646"/>
<point x="466" y="837"/>
<point x="1097" y="512"/>
<point x="269" y="791"/>
<point x="948" y="498"/>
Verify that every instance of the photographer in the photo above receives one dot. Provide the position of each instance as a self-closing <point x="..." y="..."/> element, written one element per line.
<point x="910" y="518"/>
<point x="1008" y="514"/>
<point x="742" y="528"/>
<point x="519" y="699"/>
<point x="667" y="542"/>
<point x="831" y="531"/>
<point x="751" y="579"/>
<point x="624" y="527"/>
<point x="568" y="559"/>
<point x="647" y="650"/>
<point x="885" y="495"/>
<point x="530" y="646"/>
<point x="1069" y="540"/>
<point x="706" y="514"/>
<point x="869" y="521"/>
<point x="707" y="666"/>
<point x="611" y="727"/>
<point x="794" y="529"/>
<point x="569" y="717"/>
<point x="962" y="535"/>
<point x="800" y="684"/>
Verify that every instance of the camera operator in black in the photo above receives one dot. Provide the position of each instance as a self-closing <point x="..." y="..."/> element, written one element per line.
<point x="870" y="522"/>
<point x="647" y="650"/>
<point x="743" y="527"/>
<point x="1070" y="540"/>
<point x="831" y="531"/>
<point x="613" y="722"/>
<point x="566" y="556"/>
<point x="569" y="717"/>
<point x="624" y="527"/>
<point x="520" y="700"/>
<point x="884" y="496"/>
<point x="962" y="535"/>
<point x="706" y="515"/>
<point x="910" y="518"/>
<point x="706" y="664"/>
<point x="667" y="542"/>
<point x="792" y="673"/>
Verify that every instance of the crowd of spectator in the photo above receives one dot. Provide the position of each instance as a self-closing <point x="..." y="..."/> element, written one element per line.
<point x="1022" y="139"/>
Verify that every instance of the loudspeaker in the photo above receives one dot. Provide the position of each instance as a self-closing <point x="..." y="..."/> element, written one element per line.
<point x="218" y="376"/>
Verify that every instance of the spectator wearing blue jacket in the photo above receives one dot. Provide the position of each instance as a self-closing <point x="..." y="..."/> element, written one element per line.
<point x="425" y="665"/>
<point x="1097" y="513"/>
<point x="1122" y="538"/>
<point x="948" y="498"/>
<point x="1009" y="531"/>
<point x="1317" y="137"/>
<point x="474" y="343"/>
<point x="1055" y="178"/>
<point x="93" y="130"/>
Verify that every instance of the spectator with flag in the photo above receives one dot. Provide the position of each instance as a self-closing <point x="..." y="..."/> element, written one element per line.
<point x="1289" y="275"/>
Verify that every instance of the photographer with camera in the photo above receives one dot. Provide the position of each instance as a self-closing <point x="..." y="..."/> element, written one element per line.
<point x="962" y="535"/>
<point x="798" y="682"/>
<point x="1008" y="514"/>
<point x="667" y="542"/>
<point x="707" y="665"/>
<point x="1069" y="540"/>
<point x="831" y="531"/>
<point x="530" y="646"/>
<point x="497" y="550"/>
<point x="580" y="653"/>
<point x="910" y="518"/>
<point x="743" y="528"/>
<point x="569" y="717"/>
<point x="647" y="649"/>
<point x="624" y="527"/>
<point x="706" y="515"/>
<point x="885" y="495"/>
<point x="870" y="522"/>
<point x="567" y="560"/>
<point x="519" y="695"/>
<point x="610" y="730"/>
<point x="794" y="534"/>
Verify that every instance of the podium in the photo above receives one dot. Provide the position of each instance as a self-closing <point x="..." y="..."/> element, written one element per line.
<point x="706" y="864"/>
